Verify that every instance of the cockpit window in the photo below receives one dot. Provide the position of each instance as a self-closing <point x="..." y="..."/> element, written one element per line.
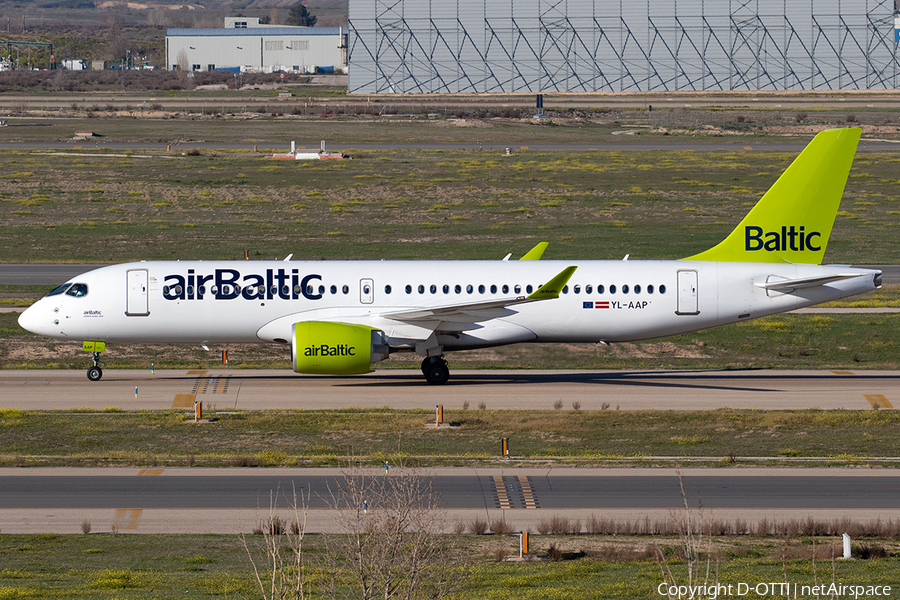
<point x="77" y="290"/>
<point x="60" y="289"/>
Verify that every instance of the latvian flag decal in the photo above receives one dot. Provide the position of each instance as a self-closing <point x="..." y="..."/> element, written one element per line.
<point x="595" y="305"/>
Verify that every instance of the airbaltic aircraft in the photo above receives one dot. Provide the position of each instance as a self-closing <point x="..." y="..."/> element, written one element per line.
<point x="342" y="317"/>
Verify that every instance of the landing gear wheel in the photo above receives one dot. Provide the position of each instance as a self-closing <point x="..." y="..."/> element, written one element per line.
<point x="435" y="370"/>
<point x="95" y="372"/>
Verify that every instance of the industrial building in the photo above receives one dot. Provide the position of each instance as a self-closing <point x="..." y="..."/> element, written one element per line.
<point x="246" y="45"/>
<point x="474" y="46"/>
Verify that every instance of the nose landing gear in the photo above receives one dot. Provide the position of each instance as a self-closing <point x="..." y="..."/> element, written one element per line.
<point x="95" y="372"/>
<point x="435" y="370"/>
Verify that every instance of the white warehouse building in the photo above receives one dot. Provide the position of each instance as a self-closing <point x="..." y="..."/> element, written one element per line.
<point x="246" y="45"/>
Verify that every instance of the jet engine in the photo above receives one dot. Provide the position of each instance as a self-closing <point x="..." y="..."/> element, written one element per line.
<point x="327" y="348"/>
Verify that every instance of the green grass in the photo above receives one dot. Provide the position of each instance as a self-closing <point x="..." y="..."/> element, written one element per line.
<point x="322" y="438"/>
<point x="215" y="566"/>
<point x="494" y="205"/>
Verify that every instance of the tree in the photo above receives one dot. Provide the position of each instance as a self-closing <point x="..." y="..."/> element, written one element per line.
<point x="300" y="15"/>
<point x="392" y="546"/>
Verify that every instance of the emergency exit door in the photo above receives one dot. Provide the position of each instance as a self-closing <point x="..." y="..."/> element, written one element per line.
<point x="138" y="304"/>
<point x="687" y="293"/>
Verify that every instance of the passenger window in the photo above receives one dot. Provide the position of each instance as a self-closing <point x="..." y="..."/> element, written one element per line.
<point x="493" y="289"/>
<point x="528" y="288"/>
<point x="625" y="289"/>
<point x="409" y="289"/>
<point x="505" y="289"/>
<point x="469" y="289"/>
<point x="612" y="289"/>
<point x="481" y="289"/>
<point x="600" y="289"/>
<point x="577" y="289"/>
<point x="334" y="289"/>
<point x="77" y="290"/>
<point x="662" y="289"/>
<point x="650" y="289"/>
<point x="421" y="289"/>
<point x="446" y="289"/>
<point x="59" y="290"/>
<point x="588" y="289"/>
<point x="518" y="289"/>
<point x="565" y="289"/>
<point x="387" y="289"/>
<point x="346" y="289"/>
<point x="433" y="289"/>
<point x="457" y="289"/>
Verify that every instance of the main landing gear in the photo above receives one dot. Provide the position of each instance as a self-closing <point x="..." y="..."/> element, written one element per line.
<point x="95" y="372"/>
<point x="435" y="370"/>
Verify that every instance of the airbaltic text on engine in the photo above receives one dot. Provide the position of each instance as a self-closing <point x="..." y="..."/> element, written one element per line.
<point x="230" y="284"/>
<point x="326" y="350"/>
<point x="790" y="238"/>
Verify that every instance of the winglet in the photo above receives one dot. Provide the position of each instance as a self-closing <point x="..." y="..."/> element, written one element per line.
<point x="537" y="252"/>
<point x="793" y="220"/>
<point x="553" y="288"/>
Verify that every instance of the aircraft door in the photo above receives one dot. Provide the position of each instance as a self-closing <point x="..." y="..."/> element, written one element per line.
<point x="137" y="300"/>
<point x="366" y="291"/>
<point x="687" y="293"/>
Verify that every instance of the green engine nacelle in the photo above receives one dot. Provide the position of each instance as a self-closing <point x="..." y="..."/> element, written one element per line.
<point x="326" y="348"/>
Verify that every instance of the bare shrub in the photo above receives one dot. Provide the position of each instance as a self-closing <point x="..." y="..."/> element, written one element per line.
<point x="557" y="405"/>
<point x="465" y="405"/>
<point x="272" y="525"/>
<point x="278" y="565"/>
<point x="800" y="117"/>
<point x="478" y="526"/>
<point x="576" y="405"/>
<point x="459" y="528"/>
<point x="482" y="405"/>
<point x="605" y="406"/>
<point x="395" y="549"/>
<point x="501" y="527"/>
<point x="501" y="554"/>
<point x="554" y="553"/>
<point x="85" y="527"/>
<point x="543" y="527"/>
<point x="740" y="118"/>
<point x="851" y="118"/>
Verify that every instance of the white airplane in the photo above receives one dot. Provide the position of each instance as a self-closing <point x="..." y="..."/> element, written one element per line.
<point x="342" y="317"/>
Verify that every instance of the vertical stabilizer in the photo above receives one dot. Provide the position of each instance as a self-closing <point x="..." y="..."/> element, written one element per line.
<point x="792" y="221"/>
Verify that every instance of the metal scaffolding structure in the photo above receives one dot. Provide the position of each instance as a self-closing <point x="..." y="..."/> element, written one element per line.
<point x="503" y="46"/>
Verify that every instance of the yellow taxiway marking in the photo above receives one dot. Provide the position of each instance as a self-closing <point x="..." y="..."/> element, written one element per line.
<point x="127" y="518"/>
<point x="748" y="147"/>
<point x="502" y="498"/>
<point x="878" y="401"/>
<point x="527" y="493"/>
<point x="151" y="472"/>
<point x="842" y="372"/>
<point x="196" y="372"/>
<point x="184" y="400"/>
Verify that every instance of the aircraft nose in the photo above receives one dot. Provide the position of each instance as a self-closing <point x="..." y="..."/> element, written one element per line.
<point x="34" y="320"/>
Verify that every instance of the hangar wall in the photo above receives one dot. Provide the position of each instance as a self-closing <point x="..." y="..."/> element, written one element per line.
<point x="271" y="48"/>
<point x="474" y="46"/>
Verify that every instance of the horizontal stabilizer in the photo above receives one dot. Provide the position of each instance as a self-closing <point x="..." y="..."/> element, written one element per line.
<point x="807" y="282"/>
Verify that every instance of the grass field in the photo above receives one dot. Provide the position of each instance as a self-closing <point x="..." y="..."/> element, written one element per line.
<point x="564" y="437"/>
<point x="419" y="205"/>
<point x="192" y="567"/>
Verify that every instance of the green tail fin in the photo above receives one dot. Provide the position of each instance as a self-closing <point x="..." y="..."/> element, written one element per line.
<point x="792" y="221"/>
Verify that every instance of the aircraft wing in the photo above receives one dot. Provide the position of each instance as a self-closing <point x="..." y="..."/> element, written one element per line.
<point x="806" y="282"/>
<point x="473" y="312"/>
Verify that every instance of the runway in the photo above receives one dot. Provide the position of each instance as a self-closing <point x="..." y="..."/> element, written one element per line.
<point x="406" y="389"/>
<point x="227" y="500"/>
